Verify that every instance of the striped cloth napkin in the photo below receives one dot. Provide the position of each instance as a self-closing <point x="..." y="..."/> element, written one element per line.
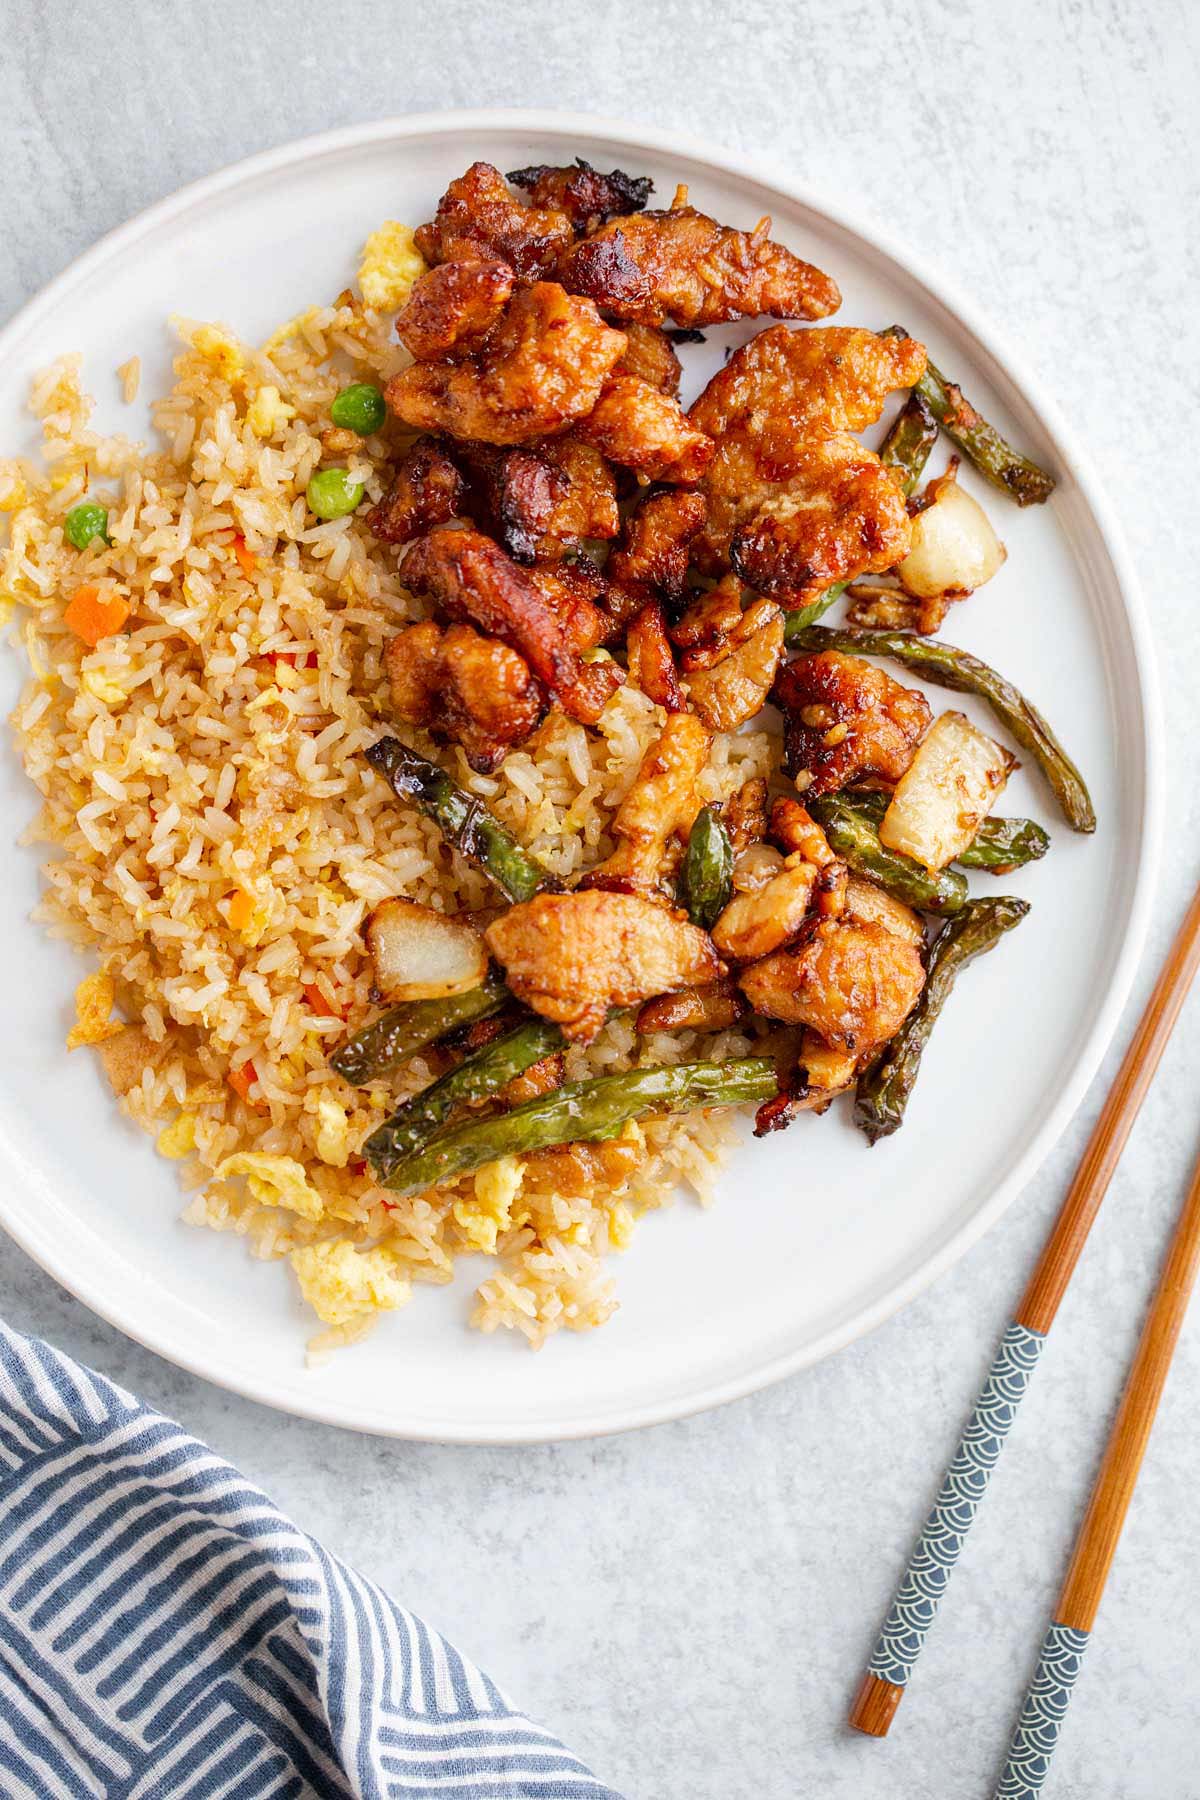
<point x="166" y="1634"/>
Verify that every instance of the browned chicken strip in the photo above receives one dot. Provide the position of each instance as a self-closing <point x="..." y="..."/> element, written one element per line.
<point x="844" y="718"/>
<point x="470" y="578"/>
<point x="781" y="412"/>
<point x="541" y="367"/>
<point x="464" y="688"/>
<point x="853" y="984"/>
<point x="651" y="659"/>
<point x="542" y="500"/>
<point x="653" y="820"/>
<point x="650" y="355"/>
<point x="587" y="196"/>
<point x="427" y="489"/>
<point x="644" y="429"/>
<point x="478" y="215"/>
<point x="651" y="559"/>
<point x="453" y="307"/>
<point x="681" y="265"/>
<point x="573" y="956"/>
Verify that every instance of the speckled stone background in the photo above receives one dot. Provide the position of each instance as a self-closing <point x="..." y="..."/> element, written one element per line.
<point x="690" y="1606"/>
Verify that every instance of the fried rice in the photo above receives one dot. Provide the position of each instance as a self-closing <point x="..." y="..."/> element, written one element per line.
<point x="216" y="839"/>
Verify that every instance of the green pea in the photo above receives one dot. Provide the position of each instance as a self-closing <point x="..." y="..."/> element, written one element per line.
<point x="85" y="522"/>
<point x="360" y="408"/>
<point x="331" y="494"/>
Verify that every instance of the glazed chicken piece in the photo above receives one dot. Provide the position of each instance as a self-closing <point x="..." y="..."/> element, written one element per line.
<point x="543" y="500"/>
<point x="478" y="216"/>
<point x="650" y="355"/>
<point x="541" y="367"/>
<point x="464" y="688"/>
<point x="651" y="560"/>
<point x="453" y="307"/>
<point x="745" y="815"/>
<point x="734" y="685"/>
<point x="574" y="591"/>
<point x="653" y="820"/>
<point x="573" y="956"/>
<point x="469" y="577"/>
<point x="844" y="718"/>
<point x="713" y="1008"/>
<point x="651" y="660"/>
<point x="644" y="429"/>
<point x="586" y="196"/>
<point x="807" y="384"/>
<point x="811" y="877"/>
<point x="853" y="984"/>
<point x="681" y="265"/>
<point x="840" y="514"/>
<point x="791" y="494"/>
<point x="427" y="489"/>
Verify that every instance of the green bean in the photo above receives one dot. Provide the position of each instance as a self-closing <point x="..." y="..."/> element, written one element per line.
<point x="479" y="1075"/>
<point x="1015" y="475"/>
<point x="464" y="821"/>
<point x="583" y="1112"/>
<point x="884" y="1088"/>
<point x="907" y="446"/>
<point x="707" y="880"/>
<point x="399" y="1033"/>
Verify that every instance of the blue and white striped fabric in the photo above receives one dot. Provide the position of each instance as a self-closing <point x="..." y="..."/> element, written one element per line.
<point x="166" y="1634"/>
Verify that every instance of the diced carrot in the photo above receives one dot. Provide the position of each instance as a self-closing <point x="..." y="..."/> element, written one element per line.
<point x="241" y="909"/>
<point x="246" y="558"/>
<point x="93" y="616"/>
<point x="320" y="1002"/>
<point x="242" y="1079"/>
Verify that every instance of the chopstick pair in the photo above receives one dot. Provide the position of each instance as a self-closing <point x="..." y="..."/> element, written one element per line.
<point x="927" y="1575"/>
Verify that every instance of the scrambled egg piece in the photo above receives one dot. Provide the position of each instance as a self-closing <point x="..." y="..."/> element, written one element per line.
<point x="221" y="349"/>
<point x="13" y="492"/>
<point x="620" y="1225"/>
<point x="390" y="265"/>
<point x="94" y="1000"/>
<point x="497" y="1185"/>
<point x="333" y="1132"/>
<point x="274" y="1181"/>
<point x="178" y="1139"/>
<point x="341" y="1283"/>
<point x="268" y="412"/>
<point x="102" y="687"/>
<point x="288" y="329"/>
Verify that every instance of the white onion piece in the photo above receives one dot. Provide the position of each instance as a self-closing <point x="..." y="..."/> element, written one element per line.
<point x="954" y="549"/>
<point x="946" y="792"/>
<point x="420" y="954"/>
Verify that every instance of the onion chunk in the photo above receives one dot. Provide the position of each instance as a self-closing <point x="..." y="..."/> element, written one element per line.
<point x="954" y="549"/>
<point x="420" y="954"/>
<point x="949" y="788"/>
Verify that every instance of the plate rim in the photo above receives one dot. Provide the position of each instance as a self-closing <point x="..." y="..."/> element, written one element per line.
<point x="994" y="345"/>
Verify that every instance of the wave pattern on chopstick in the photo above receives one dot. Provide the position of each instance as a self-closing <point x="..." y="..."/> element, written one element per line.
<point x="915" y="1605"/>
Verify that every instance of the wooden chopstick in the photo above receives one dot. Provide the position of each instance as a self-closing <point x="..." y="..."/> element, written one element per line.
<point x="1041" y="1717"/>
<point x="915" y="1604"/>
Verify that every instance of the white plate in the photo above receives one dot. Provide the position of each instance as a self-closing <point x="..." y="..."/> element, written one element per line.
<point x="816" y="1239"/>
